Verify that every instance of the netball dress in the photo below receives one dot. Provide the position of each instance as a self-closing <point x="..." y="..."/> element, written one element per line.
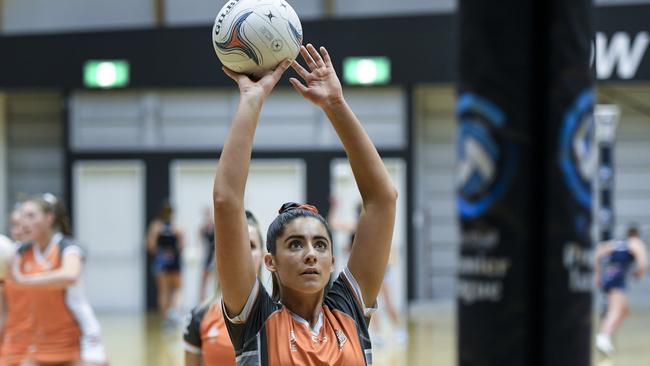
<point x="267" y="333"/>
<point x="206" y="334"/>
<point x="65" y="327"/>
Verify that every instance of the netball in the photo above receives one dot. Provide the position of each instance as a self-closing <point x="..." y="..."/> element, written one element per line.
<point x="253" y="36"/>
<point x="6" y="252"/>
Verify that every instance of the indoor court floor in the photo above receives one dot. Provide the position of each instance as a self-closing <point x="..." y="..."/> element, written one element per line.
<point x="139" y="340"/>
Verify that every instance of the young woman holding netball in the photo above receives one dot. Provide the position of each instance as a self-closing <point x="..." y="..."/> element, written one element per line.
<point x="305" y="321"/>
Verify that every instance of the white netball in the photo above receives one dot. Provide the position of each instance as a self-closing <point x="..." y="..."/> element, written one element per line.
<point x="7" y="249"/>
<point x="253" y="36"/>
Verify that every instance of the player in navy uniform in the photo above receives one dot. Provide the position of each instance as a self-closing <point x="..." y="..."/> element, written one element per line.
<point x="618" y="257"/>
<point x="165" y="241"/>
<point x="206" y="234"/>
<point x="304" y="321"/>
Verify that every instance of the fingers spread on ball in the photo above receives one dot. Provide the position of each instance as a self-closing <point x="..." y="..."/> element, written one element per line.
<point x="231" y="74"/>
<point x="326" y="56"/>
<point x="297" y="85"/>
<point x="300" y="70"/>
<point x="308" y="59"/>
<point x="315" y="55"/>
<point x="282" y="67"/>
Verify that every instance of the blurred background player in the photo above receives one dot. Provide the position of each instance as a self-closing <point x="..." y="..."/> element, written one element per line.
<point x="17" y="327"/>
<point x="50" y="266"/>
<point x="165" y="241"/>
<point x="618" y="257"/>
<point x="206" y="337"/>
<point x="206" y="234"/>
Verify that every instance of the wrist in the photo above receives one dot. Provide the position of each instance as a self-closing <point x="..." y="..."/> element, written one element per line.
<point x="334" y="103"/>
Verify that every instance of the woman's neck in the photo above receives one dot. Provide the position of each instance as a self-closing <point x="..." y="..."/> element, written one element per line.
<point x="44" y="240"/>
<point x="307" y="306"/>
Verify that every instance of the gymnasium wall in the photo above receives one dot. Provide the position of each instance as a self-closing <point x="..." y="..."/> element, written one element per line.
<point x="34" y="138"/>
<point x="198" y="120"/>
<point x="43" y="16"/>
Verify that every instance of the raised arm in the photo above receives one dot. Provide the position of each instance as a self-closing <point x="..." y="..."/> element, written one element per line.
<point x="234" y="261"/>
<point x="373" y="238"/>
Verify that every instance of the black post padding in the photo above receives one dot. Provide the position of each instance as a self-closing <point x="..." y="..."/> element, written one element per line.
<point x="525" y="137"/>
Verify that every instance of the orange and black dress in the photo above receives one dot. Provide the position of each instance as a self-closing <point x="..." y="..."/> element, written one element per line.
<point x="64" y="326"/>
<point x="18" y="334"/>
<point x="206" y="335"/>
<point x="267" y="333"/>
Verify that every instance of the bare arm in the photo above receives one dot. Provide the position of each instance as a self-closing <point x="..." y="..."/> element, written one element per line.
<point x="192" y="359"/>
<point x="374" y="234"/>
<point x="234" y="261"/>
<point x="152" y="233"/>
<point x="603" y="249"/>
<point x="3" y="311"/>
<point x="638" y="249"/>
<point x="62" y="277"/>
<point x="180" y="235"/>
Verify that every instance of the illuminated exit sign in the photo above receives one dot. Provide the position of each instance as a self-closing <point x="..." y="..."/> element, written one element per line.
<point x="106" y="74"/>
<point x="366" y="70"/>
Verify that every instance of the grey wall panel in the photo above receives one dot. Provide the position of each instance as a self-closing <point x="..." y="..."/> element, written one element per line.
<point x="437" y="229"/>
<point x="620" y="2"/>
<point x="35" y="144"/>
<point x="40" y="16"/>
<point x="106" y="120"/>
<point x="345" y="8"/>
<point x="199" y="120"/>
<point x="183" y="12"/>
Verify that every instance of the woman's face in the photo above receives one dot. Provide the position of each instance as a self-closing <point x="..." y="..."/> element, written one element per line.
<point x="36" y="222"/>
<point x="303" y="259"/>
<point x="16" y="226"/>
<point x="256" y="247"/>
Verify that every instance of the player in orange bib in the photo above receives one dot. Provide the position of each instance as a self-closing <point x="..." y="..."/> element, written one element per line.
<point x="206" y="337"/>
<point x="304" y="321"/>
<point x="65" y="329"/>
<point x="17" y="332"/>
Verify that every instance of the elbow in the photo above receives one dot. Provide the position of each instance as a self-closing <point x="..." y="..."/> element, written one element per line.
<point x="70" y="279"/>
<point x="391" y="195"/>
<point x="223" y="201"/>
<point x="69" y="282"/>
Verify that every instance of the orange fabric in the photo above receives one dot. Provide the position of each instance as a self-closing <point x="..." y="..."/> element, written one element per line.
<point x="216" y="347"/>
<point x="56" y="332"/>
<point x="291" y="342"/>
<point x="18" y="330"/>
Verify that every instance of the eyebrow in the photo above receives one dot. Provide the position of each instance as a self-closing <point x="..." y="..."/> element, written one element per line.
<point x="303" y="237"/>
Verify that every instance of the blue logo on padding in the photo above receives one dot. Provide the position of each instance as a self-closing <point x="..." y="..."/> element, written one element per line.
<point x="578" y="155"/>
<point x="485" y="161"/>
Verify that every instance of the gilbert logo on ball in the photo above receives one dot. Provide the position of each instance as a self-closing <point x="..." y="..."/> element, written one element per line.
<point x="253" y="36"/>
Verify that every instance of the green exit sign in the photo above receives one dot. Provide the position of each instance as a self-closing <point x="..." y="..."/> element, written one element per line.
<point x="366" y="70"/>
<point x="106" y="73"/>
